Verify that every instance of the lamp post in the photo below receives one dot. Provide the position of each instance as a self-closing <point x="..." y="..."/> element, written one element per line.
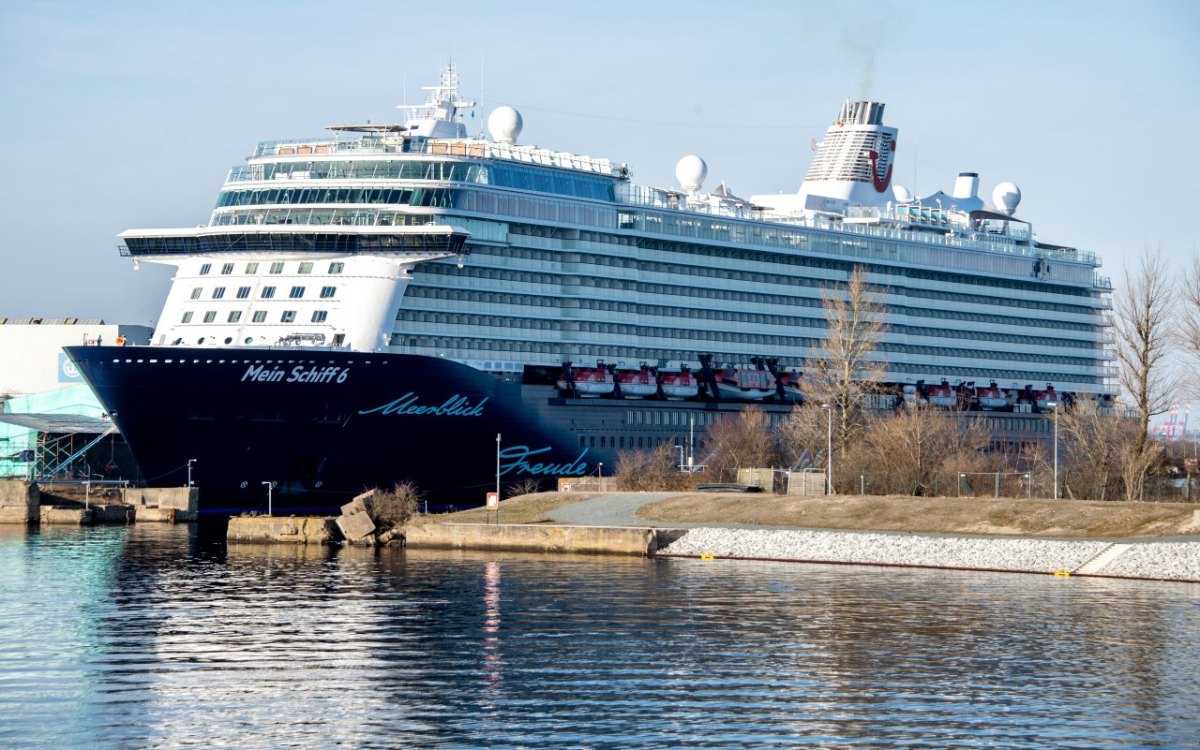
<point x="270" y="486"/>
<point x="600" y="473"/>
<point x="680" y="447"/>
<point x="1054" y="405"/>
<point x="190" y="462"/>
<point x="497" y="468"/>
<point x="828" y="448"/>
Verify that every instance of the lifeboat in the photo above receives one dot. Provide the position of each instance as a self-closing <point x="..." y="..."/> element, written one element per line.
<point x="1046" y="399"/>
<point x="586" y="382"/>
<point x="678" y="385"/>
<point x="942" y="396"/>
<point x="991" y="398"/>
<point x="638" y="383"/>
<point x="744" y="383"/>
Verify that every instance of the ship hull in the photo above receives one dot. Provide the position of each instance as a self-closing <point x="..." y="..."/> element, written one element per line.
<point x="324" y="426"/>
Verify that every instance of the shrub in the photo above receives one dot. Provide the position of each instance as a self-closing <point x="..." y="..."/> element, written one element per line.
<point x="390" y="509"/>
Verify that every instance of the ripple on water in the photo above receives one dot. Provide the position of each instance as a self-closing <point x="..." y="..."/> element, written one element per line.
<point x="162" y="637"/>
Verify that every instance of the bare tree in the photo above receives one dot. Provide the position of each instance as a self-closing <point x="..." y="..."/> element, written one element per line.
<point x="914" y="446"/>
<point x="1094" y="442"/>
<point x="803" y="435"/>
<point x="652" y="469"/>
<point x="844" y="372"/>
<point x="1143" y="328"/>
<point x="739" y="441"/>
<point x="1189" y="329"/>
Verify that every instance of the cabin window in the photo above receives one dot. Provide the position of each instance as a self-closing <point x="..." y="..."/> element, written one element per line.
<point x="196" y="292"/>
<point x="187" y="317"/>
<point x="210" y="316"/>
<point x="243" y="292"/>
<point x="226" y="269"/>
<point x="276" y="268"/>
<point x="336" y="267"/>
<point x="289" y="316"/>
<point x="267" y="292"/>
<point x="318" y="316"/>
<point x="306" y="267"/>
<point x="235" y="316"/>
<point x="251" y="268"/>
<point x="204" y="269"/>
<point x="328" y="291"/>
<point x="296" y="293"/>
<point x="260" y="316"/>
<point x="218" y="292"/>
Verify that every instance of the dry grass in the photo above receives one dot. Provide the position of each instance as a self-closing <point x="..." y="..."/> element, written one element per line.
<point x="1060" y="518"/>
<point x="1037" y="517"/>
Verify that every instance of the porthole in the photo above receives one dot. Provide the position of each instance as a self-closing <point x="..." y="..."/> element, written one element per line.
<point x="200" y="340"/>
<point x="228" y="339"/>
<point x="248" y="340"/>
<point x="244" y="485"/>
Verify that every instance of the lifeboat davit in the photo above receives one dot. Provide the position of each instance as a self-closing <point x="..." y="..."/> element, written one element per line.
<point x="677" y="386"/>
<point x="744" y="383"/>
<point x="991" y="398"/>
<point x="790" y="382"/>
<point x="638" y="383"/>
<point x="587" y="382"/>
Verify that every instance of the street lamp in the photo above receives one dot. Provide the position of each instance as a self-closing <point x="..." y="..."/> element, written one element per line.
<point x="270" y="486"/>
<point x="828" y="448"/>
<point x="1054" y="405"/>
<point x="497" y="470"/>
<point x="190" y="462"/>
<point x="680" y="447"/>
<point x="600" y="473"/>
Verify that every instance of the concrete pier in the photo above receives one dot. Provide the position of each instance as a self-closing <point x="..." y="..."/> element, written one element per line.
<point x="19" y="501"/>
<point x="289" y="529"/>
<point x="606" y="540"/>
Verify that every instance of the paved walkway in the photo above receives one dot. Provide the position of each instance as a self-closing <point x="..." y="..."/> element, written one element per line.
<point x="615" y="509"/>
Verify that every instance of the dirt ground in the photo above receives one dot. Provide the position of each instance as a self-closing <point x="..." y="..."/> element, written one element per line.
<point x="1053" y="518"/>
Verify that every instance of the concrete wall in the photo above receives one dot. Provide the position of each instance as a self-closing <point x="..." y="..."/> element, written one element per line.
<point x="19" y="501"/>
<point x="291" y="529"/>
<point x="183" y="499"/>
<point x="582" y="539"/>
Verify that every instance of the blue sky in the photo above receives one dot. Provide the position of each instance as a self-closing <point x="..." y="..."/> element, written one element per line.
<point x="129" y="114"/>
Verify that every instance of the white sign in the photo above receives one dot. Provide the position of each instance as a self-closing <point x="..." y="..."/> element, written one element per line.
<point x="493" y="500"/>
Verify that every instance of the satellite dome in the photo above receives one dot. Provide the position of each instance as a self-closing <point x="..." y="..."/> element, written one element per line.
<point x="691" y="171"/>
<point x="1006" y="196"/>
<point x="504" y="124"/>
<point x="901" y="194"/>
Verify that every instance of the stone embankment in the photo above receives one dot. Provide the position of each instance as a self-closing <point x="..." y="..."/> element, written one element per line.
<point x="1156" y="560"/>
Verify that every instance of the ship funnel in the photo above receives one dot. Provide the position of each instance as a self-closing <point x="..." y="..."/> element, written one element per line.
<point x="966" y="186"/>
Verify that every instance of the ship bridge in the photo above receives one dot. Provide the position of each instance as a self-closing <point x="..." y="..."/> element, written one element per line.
<point x="428" y="242"/>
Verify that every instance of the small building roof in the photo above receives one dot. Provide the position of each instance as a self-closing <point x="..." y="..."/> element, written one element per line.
<point x="59" y="423"/>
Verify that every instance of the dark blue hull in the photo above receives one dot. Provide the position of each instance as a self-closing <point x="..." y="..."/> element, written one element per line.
<point x="324" y="426"/>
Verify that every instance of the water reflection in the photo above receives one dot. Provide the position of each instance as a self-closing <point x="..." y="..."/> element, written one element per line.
<point x="163" y="636"/>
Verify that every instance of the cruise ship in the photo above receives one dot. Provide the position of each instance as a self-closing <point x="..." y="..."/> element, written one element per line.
<point x="416" y="302"/>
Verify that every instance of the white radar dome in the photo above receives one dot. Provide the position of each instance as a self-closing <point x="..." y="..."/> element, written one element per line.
<point x="504" y="124"/>
<point x="1005" y="197"/>
<point x="691" y="171"/>
<point x="902" y="194"/>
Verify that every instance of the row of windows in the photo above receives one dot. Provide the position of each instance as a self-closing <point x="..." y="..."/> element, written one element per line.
<point x="276" y="268"/>
<point x="559" y="181"/>
<point x="259" y="316"/>
<point x="267" y="292"/>
<point x="417" y="289"/>
<point x="705" y="336"/>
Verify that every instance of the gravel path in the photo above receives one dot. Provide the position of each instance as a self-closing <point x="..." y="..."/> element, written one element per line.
<point x="1163" y="560"/>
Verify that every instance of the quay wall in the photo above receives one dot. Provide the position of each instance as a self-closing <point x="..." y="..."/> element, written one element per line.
<point x="19" y="501"/>
<point x="608" y="540"/>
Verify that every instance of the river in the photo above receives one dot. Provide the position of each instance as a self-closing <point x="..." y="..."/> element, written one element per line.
<point x="155" y="636"/>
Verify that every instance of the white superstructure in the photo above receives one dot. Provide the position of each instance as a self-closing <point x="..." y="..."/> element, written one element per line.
<point x="420" y="239"/>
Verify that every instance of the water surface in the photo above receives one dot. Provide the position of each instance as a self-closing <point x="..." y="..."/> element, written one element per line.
<point x="162" y="637"/>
